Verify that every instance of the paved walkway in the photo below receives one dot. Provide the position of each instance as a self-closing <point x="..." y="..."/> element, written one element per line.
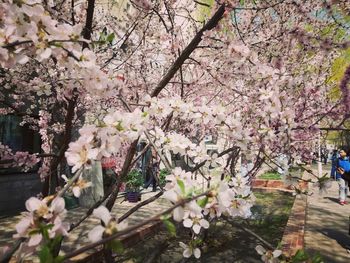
<point x="78" y="237"/>
<point x="327" y="225"/>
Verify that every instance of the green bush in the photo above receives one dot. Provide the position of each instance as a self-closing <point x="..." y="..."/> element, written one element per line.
<point x="162" y="176"/>
<point x="134" y="181"/>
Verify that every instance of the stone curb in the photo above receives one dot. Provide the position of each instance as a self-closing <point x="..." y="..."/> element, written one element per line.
<point x="274" y="184"/>
<point x="293" y="237"/>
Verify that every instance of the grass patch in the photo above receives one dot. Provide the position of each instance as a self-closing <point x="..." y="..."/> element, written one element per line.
<point x="270" y="176"/>
<point x="270" y="215"/>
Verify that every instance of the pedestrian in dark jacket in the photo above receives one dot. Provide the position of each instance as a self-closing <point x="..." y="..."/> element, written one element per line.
<point x="334" y="159"/>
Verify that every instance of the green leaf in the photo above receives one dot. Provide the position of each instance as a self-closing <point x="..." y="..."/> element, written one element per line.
<point x="300" y="256"/>
<point x="165" y="217"/>
<point x="116" y="246"/>
<point x="119" y="126"/>
<point x="55" y="242"/>
<point x="196" y="242"/>
<point x="44" y="230"/>
<point x="181" y="185"/>
<point x="45" y="255"/>
<point x="171" y="227"/>
<point x="58" y="259"/>
<point x="317" y="259"/>
<point x="45" y="233"/>
<point x="202" y="202"/>
<point x="110" y="38"/>
<point x="33" y="232"/>
<point x="102" y="37"/>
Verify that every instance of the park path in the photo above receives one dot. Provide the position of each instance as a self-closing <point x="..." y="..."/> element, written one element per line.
<point x="327" y="225"/>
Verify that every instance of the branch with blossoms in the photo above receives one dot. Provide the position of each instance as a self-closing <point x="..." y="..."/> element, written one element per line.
<point x="18" y="112"/>
<point x="23" y="160"/>
<point x="181" y="191"/>
<point x="31" y="226"/>
<point x="162" y="157"/>
<point x="42" y="225"/>
<point x="133" y="228"/>
<point x="115" y="190"/>
<point x="51" y="42"/>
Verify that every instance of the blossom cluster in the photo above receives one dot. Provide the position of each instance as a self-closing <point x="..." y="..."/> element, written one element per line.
<point x="117" y="128"/>
<point x="109" y="227"/>
<point x="230" y="196"/>
<point x="23" y="160"/>
<point x="43" y="216"/>
<point x="28" y="32"/>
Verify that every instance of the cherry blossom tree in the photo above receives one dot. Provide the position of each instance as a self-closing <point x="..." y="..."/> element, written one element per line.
<point x="94" y="80"/>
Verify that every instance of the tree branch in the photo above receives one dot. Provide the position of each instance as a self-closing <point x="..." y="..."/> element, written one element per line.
<point x="88" y="24"/>
<point x="188" y="50"/>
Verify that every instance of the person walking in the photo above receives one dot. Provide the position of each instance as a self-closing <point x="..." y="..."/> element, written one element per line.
<point x="152" y="169"/>
<point x="325" y="156"/>
<point x="334" y="159"/>
<point x="343" y="166"/>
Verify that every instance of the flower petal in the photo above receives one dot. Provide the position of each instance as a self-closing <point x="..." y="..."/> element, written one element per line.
<point x="171" y="196"/>
<point x="76" y="191"/>
<point x="183" y="245"/>
<point x="196" y="228"/>
<point x="188" y="223"/>
<point x="57" y="205"/>
<point x="35" y="240"/>
<point x="44" y="54"/>
<point x="65" y="178"/>
<point x="277" y="253"/>
<point x="33" y="204"/>
<point x="96" y="233"/>
<point x="178" y="214"/>
<point x="197" y="253"/>
<point x="23" y="225"/>
<point x="194" y="207"/>
<point x="204" y="223"/>
<point x="187" y="253"/>
<point x="122" y="225"/>
<point x="103" y="213"/>
<point x="260" y="250"/>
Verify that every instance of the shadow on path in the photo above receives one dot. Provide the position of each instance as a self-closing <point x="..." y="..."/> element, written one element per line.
<point x="341" y="238"/>
<point x="327" y="224"/>
<point x="333" y="199"/>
